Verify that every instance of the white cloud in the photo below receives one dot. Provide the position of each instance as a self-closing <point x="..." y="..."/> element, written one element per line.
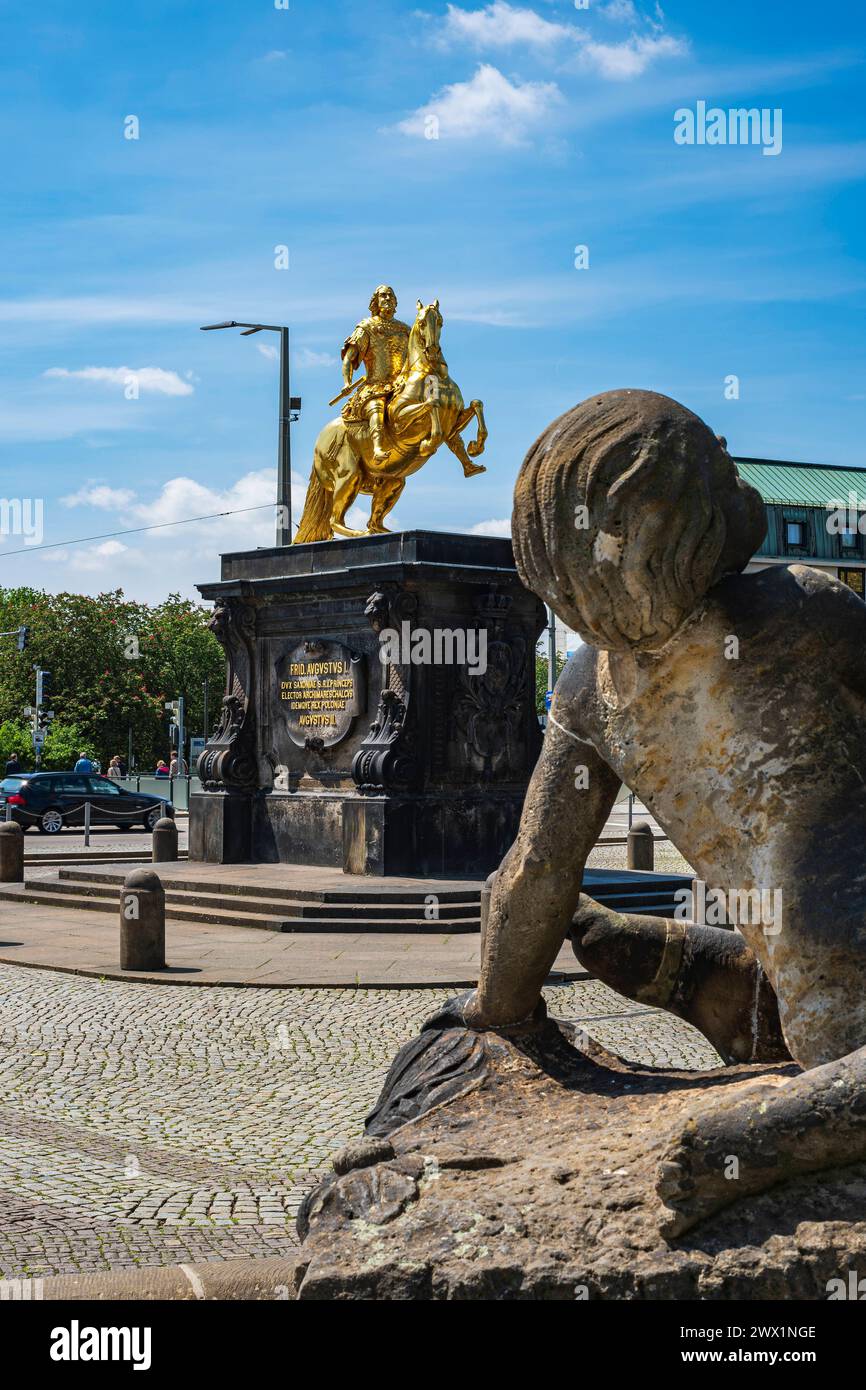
<point x="147" y="565"/>
<point x="621" y="12"/>
<point x="487" y="105"/>
<point x="491" y="528"/>
<point x="308" y="358"/>
<point x="99" y="495"/>
<point x="619" y="62"/>
<point x="269" y="351"/>
<point x="151" y="379"/>
<point x="500" y="25"/>
<point x="94" y="559"/>
<point x="181" y="498"/>
<point x="276" y="55"/>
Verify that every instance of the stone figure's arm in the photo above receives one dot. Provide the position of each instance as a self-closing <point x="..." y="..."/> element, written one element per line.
<point x="537" y="887"/>
<point x="812" y="1123"/>
<point x="835" y="617"/>
<point x="707" y="975"/>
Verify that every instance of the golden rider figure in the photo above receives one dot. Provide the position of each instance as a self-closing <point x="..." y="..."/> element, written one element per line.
<point x="381" y="343"/>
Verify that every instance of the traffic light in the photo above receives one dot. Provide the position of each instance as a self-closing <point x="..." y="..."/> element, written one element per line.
<point x="23" y="635"/>
<point x="45" y="718"/>
<point x="43" y="687"/>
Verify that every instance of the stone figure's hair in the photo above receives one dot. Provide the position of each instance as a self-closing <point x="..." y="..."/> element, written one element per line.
<point x="374" y="298"/>
<point x="666" y="516"/>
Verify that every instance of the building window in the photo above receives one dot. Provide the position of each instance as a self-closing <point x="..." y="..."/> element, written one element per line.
<point x="795" y="535"/>
<point x="848" y="539"/>
<point x="854" y="580"/>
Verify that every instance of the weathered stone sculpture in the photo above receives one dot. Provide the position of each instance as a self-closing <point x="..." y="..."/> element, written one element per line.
<point x="735" y="707"/>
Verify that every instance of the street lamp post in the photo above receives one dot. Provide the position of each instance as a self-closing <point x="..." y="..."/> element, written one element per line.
<point x="288" y="404"/>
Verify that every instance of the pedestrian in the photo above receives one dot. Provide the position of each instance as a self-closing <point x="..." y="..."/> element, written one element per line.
<point x="175" y="765"/>
<point x="84" y="764"/>
<point x="162" y="768"/>
<point x="13" y="766"/>
<point x="115" y="771"/>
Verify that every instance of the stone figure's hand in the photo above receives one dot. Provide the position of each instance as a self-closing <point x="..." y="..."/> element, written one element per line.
<point x="453" y="1014"/>
<point x="465" y="1011"/>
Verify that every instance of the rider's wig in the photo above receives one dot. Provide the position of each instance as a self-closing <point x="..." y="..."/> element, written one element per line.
<point x="626" y="511"/>
<point x="374" y="298"/>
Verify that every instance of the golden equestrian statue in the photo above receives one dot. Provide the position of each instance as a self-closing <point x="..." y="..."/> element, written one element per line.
<point x="396" y="417"/>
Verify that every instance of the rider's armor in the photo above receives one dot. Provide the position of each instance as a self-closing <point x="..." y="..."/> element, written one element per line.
<point x="382" y="345"/>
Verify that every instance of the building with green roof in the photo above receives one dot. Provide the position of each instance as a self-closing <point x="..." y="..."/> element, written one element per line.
<point x="814" y="516"/>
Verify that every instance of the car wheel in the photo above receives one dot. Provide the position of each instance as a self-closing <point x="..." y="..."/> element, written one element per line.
<point x="51" y="821"/>
<point x="152" y="817"/>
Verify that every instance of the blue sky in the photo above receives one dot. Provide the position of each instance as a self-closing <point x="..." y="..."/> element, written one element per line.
<point x="261" y="127"/>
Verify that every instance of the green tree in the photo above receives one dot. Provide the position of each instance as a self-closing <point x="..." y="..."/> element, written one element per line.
<point x="15" y="738"/>
<point x="114" y="664"/>
<point x="63" y="745"/>
<point x="541" y="678"/>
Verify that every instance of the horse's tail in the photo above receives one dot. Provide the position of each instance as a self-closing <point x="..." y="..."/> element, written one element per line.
<point x="315" y="524"/>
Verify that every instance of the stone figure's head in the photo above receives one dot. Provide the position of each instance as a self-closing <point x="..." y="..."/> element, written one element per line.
<point x="383" y="302"/>
<point x="626" y="511"/>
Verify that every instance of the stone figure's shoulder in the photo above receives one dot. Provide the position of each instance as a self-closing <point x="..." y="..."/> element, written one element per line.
<point x="577" y="688"/>
<point x="580" y="670"/>
<point x="818" y="595"/>
<point x="790" y="600"/>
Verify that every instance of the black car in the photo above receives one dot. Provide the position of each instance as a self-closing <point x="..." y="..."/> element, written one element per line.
<point x="54" y="799"/>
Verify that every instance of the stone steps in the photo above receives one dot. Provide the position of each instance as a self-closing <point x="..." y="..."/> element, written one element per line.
<point x="655" y="901"/>
<point x="242" y="916"/>
<point x="91" y="856"/>
<point x="368" y="906"/>
<point x="467" y="907"/>
<point x="374" y="893"/>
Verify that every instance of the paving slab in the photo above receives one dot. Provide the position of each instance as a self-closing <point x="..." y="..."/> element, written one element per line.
<point x="88" y="943"/>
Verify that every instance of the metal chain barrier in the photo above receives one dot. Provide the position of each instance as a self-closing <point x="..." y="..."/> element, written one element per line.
<point x="111" y="816"/>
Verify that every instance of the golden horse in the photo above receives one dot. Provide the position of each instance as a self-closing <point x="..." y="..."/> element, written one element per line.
<point x="425" y="411"/>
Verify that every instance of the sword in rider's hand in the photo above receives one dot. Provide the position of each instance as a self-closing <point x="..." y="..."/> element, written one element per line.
<point x="348" y="390"/>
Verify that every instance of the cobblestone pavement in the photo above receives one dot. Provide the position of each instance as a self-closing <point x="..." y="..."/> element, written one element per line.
<point x="667" y="859"/>
<point x="142" y="1124"/>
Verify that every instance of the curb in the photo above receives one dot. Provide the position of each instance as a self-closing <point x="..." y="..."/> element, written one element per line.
<point x="152" y="977"/>
<point x="244" y="1280"/>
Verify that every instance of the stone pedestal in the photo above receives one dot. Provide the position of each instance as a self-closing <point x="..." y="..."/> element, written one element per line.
<point x="329" y="754"/>
<point x="523" y="1167"/>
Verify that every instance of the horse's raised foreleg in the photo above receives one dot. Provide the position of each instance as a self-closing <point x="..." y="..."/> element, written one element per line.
<point x="458" y="448"/>
<point x="385" y="494"/>
<point x="477" y="445"/>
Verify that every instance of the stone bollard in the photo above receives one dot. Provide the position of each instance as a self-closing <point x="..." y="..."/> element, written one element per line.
<point x="164" y="841"/>
<point x="11" y="852"/>
<point x="142" y="921"/>
<point x="641" y="849"/>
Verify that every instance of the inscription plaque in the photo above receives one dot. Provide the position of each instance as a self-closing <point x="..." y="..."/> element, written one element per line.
<point x="320" y="692"/>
